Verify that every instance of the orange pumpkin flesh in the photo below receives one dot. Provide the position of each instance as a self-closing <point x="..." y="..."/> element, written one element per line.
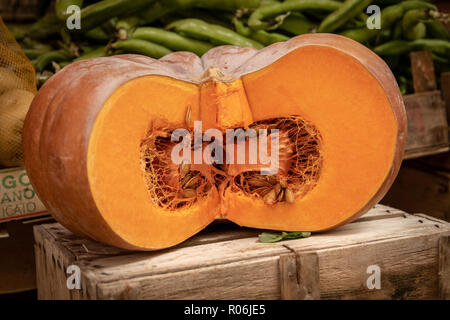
<point x="97" y="152"/>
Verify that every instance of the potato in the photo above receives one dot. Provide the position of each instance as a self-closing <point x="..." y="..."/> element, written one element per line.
<point x="9" y="80"/>
<point x="14" y="105"/>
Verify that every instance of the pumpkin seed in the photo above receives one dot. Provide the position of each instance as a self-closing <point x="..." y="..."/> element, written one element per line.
<point x="289" y="195"/>
<point x="271" y="197"/>
<point x="188" y="193"/>
<point x="271" y="179"/>
<point x="258" y="181"/>
<point x="186" y="178"/>
<point x="184" y="169"/>
<point x="190" y="184"/>
<point x="277" y="189"/>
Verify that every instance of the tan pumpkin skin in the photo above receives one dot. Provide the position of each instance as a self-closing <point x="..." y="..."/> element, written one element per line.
<point x="58" y="126"/>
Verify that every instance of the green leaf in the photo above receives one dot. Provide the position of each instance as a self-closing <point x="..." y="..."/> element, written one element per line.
<point x="275" y="237"/>
<point x="270" y="237"/>
<point x="296" y="235"/>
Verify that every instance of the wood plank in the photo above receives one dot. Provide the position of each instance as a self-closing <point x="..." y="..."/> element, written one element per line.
<point x="289" y="283"/>
<point x="255" y="279"/>
<point x="308" y="275"/>
<point x="408" y="269"/>
<point x="427" y="124"/>
<point x="425" y="151"/>
<point x="445" y="91"/>
<point x="424" y="78"/>
<point x="444" y="267"/>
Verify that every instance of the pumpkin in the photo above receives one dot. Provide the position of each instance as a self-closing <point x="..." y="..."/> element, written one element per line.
<point x="97" y="140"/>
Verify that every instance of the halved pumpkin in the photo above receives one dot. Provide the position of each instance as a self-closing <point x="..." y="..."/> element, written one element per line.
<point x="98" y="150"/>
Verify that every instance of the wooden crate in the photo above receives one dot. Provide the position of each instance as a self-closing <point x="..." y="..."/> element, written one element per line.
<point x="228" y="262"/>
<point x="17" y="269"/>
<point x="427" y="109"/>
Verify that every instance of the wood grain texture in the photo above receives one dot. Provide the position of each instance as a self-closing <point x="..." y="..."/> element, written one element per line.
<point x="427" y="124"/>
<point x="444" y="267"/>
<point x="422" y="66"/>
<point x="228" y="262"/>
<point x="308" y="275"/>
<point x="289" y="283"/>
<point x="445" y="90"/>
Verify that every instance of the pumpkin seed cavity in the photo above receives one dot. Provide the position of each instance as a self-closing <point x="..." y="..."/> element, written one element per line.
<point x="300" y="163"/>
<point x="173" y="186"/>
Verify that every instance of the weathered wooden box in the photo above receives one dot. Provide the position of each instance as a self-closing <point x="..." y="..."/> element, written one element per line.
<point x="407" y="255"/>
<point x="427" y="109"/>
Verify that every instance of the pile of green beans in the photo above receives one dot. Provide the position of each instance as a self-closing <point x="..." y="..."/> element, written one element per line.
<point x="157" y="27"/>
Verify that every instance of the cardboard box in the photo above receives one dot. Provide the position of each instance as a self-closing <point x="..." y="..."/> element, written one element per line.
<point x="17" y="197"/>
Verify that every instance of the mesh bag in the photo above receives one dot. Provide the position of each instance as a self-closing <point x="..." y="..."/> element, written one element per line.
<point x="17" y="89"/>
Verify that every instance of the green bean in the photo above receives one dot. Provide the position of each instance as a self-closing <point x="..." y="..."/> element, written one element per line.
<point x="394" y="47"/>
<point x="268" y="38"/>
<point x="126" y="26"/>
<point x="100" y="12"/>
<point x="264" y="37"/>
<point x="96" y="53"/>
<point x="440" y="59"/>
<point x="413" y="27"/>
<point x="33" y="53"/>
<point x="348" y="10"/>
<point x="397" y="47"/>
<point x="19" y="31"/>
<point x="139" y="46"/>
<point x="97" y="35"/>
<point x="45" y="59"/>
<point x="388" y="16"/>
<point x="171" y="40"/>
<point x="47" y="26"/>
<point x="415" y="4"/>
<point x="33" y="44"/>
<point x="209" y="16"/>
<point x="162" y="8"/>
<point x="438" y="46"/>
<point x="216" y="34"/>
<point x="397" y="31"/>
<point x="437" y="30"/>
<point x="296" y="24"/>
<point x="256" y="19"/>
<point x="383" y="36"/>
<point x="62" y="5"/>
<point x="241" y="28"/>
